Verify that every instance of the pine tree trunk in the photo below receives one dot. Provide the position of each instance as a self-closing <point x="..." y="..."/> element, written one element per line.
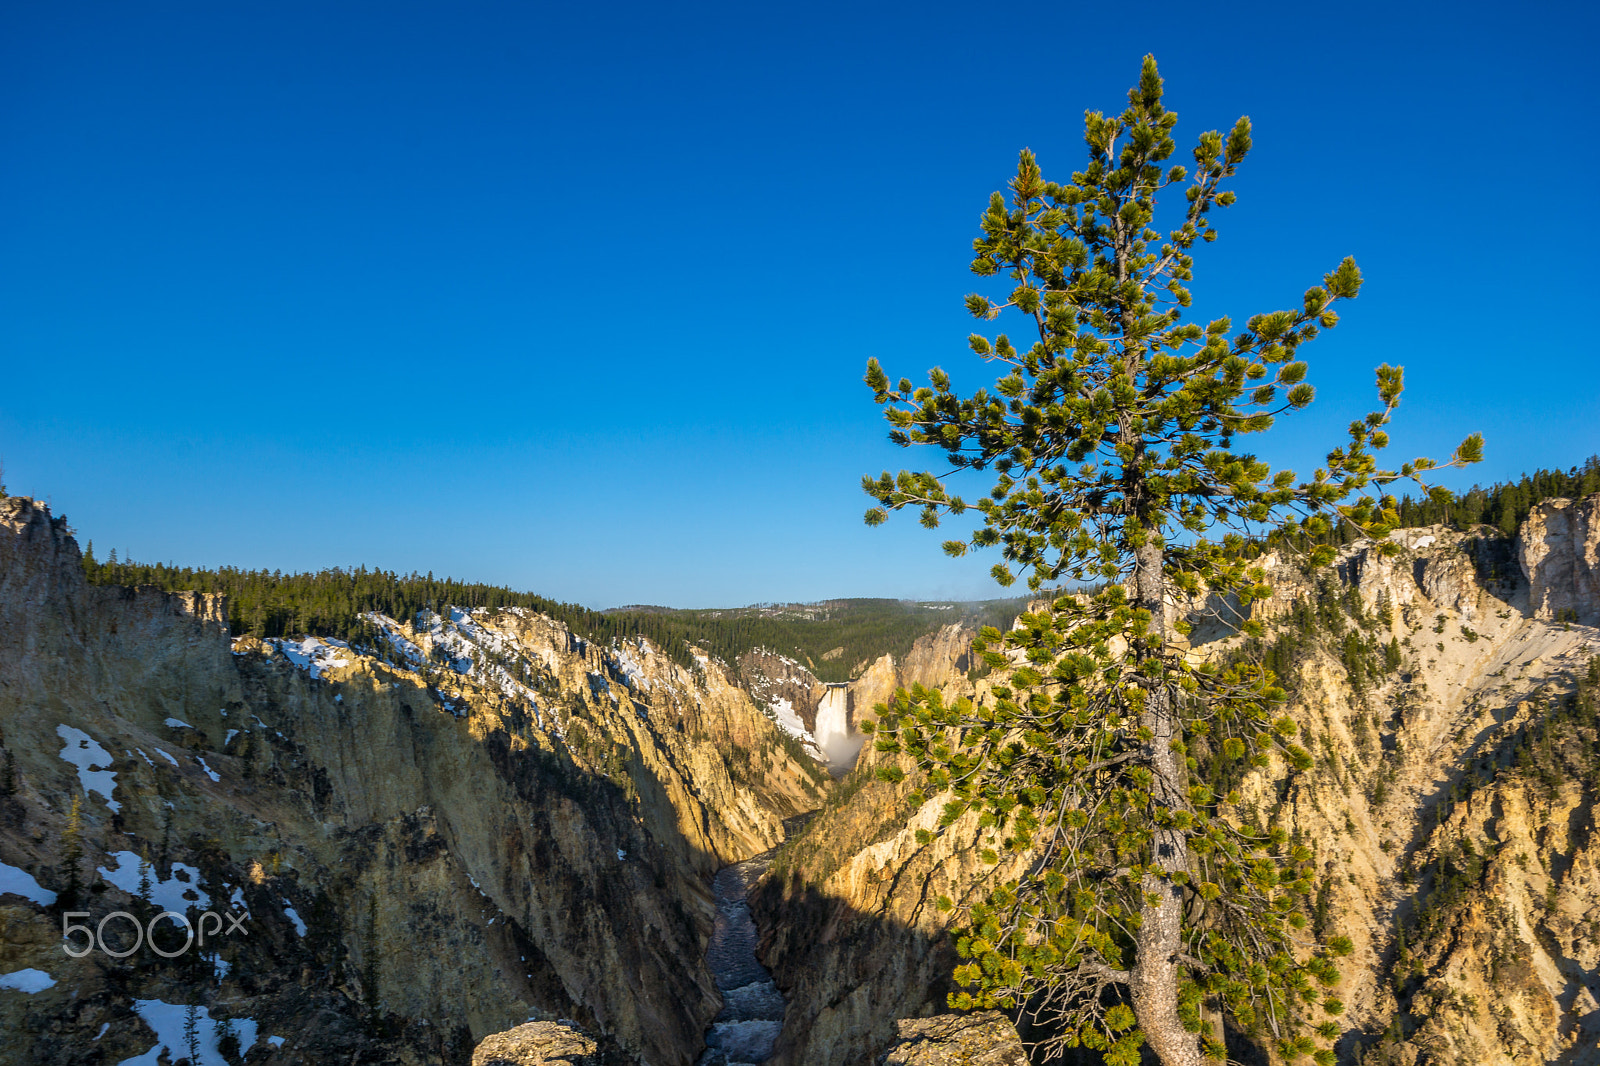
<point x="1153" y="978"/>
<point x="1156" y="970"/>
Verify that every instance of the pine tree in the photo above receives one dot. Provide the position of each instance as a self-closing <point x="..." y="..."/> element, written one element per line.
<point x="1111" y="439"/>
<point x="144" y="878"/>
<point x="226" y="1036"/>
<point x="191" y="1033"/>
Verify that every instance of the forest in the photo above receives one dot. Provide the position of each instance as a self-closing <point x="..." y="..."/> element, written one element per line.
<point x="329" y="603"/>
<point x="1502" y="505"/>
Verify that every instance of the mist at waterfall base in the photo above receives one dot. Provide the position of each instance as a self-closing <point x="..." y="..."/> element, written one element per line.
<point x="833" y="732"/>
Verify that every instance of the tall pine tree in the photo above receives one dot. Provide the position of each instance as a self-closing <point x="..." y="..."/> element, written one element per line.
<point x="1112" y="440"/>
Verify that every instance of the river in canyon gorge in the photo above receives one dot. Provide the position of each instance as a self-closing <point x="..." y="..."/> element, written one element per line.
<point x="745" y="1031"/>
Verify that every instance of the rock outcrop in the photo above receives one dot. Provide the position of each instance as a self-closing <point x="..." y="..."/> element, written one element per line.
<point x="933" y="660"/>
<point x="984" y="1039"/>
<point x="1558" y="548"/>
<point x="542" y="1044"/>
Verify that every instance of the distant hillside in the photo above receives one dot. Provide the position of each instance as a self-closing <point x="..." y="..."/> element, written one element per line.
<point x="830" y="638"/>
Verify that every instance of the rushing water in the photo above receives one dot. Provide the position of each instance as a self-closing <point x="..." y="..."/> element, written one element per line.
<point x="752" y="1006"/>
<point x="833" y="730"/>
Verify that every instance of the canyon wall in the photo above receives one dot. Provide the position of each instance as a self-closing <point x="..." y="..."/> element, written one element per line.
<point x="1444" y="692"/>
<point x="466" y="822"/>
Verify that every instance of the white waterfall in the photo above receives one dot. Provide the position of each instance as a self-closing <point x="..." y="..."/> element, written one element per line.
<point x="833" y="728"/>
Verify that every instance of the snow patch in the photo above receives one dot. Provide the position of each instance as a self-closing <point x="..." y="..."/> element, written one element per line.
<point x="21" y="883"/>
<point x="313" y="654"/>
<point x="178" y="723"/>
<point x="209" y="771"/>
<point x="294" y="918"/>
<point x="176" y="893"/>
<point x="166" y="1020"/>
<point x="84" y="752"/>
<point x="30" y="981"/>
<point x="396" y="639"/>
<point x="782" y="712"/>
<point x="628" y="667"/>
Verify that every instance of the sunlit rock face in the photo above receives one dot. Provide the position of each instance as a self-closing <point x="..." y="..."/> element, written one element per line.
<point x="1451" y="809"/>
<point x="986" y="1038"/>
<point x="473" y="818"/>
<point x="1558" y="548"/>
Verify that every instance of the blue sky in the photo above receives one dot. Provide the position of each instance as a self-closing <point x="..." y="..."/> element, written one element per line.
<point x="578" y="299"/>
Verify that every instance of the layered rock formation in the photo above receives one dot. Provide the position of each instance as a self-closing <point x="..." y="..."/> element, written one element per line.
<point x="1450" y="807"/>
<point x="455" y="826"/>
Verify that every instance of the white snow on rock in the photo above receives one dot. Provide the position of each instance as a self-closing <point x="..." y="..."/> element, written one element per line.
<point x="782" y="712"/>
<point x="166" y="1021"/>
<point x="313" y="654"/>
<point x="294" y="919"/>
<point x="167" y="757"/>
<point x="21" y="883"/>
<point x="178" y="723"/>
<point x="84" y="752"/>
<point x="209" y="771"/>
<point x="229" y="738"/>
<point x="458" y="640"/>
<point x="177" y="893"/>
<point x="391" y="633"/>
<point x="30" y="981"/>
<point x="623" y="662"/>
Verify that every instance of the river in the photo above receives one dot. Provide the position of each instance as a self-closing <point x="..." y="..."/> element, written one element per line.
<point x="752" y="1007"/>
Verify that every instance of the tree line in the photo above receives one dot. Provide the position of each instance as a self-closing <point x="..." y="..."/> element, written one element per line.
<point x="329" y="603"/>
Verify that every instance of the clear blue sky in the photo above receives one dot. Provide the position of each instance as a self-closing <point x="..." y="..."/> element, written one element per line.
<point x="577" y="298"/>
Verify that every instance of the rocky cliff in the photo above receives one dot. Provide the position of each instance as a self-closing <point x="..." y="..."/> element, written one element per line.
<point x="1450" y="701"/>
<point x="468" y="820"/>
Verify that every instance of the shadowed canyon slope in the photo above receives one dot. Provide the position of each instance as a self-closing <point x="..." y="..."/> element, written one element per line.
<point x="499" y="821"/>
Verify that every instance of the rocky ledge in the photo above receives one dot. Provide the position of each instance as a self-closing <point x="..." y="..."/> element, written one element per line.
<point x="984" y="1039"/>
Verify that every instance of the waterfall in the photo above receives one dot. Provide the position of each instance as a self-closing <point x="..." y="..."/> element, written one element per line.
<point x="833" y="732"/>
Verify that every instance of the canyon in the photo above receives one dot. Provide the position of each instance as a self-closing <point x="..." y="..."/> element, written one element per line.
<point x="474" y="820"/>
